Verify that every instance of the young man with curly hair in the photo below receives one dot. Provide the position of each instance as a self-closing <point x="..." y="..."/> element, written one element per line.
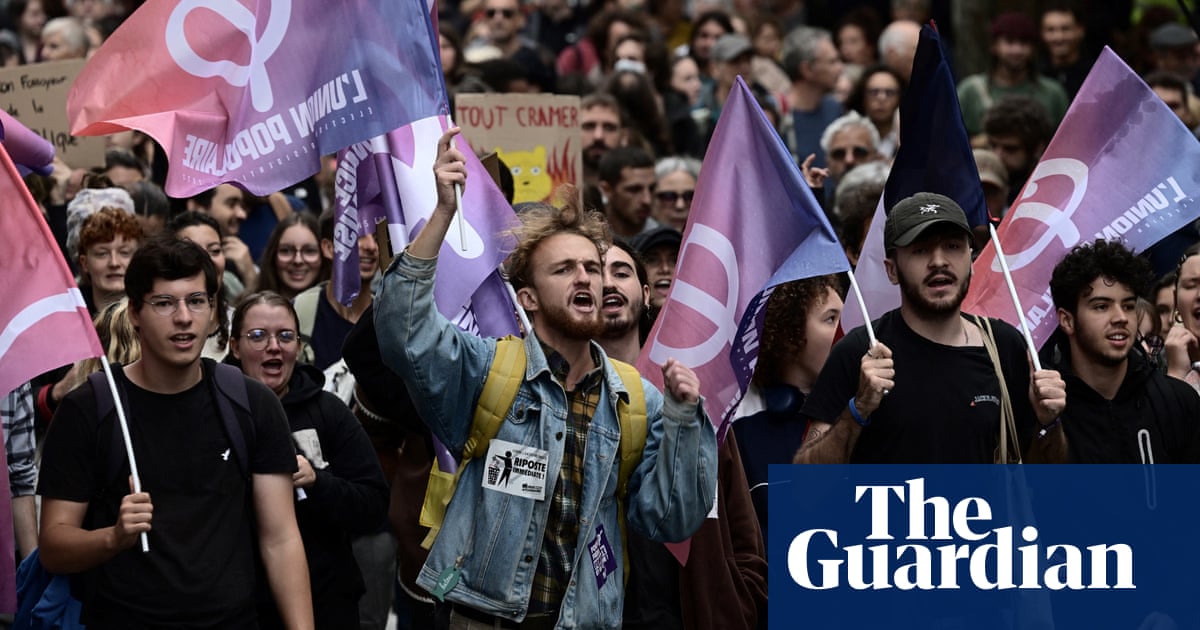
<point x="544" y="550"/>
<point x="1120" y="409"/>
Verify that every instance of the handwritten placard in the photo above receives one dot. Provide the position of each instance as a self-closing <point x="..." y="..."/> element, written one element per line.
<point x="536" y="135"/>
<point x="36" y="95"/>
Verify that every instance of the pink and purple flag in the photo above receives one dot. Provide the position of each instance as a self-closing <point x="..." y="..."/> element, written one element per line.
<point x="392" y="178"/>
<point x="934" y="156"/>
<point x="1122" y="167"/>
<point x="754" y="224"/>
<point x="256" y="95"/>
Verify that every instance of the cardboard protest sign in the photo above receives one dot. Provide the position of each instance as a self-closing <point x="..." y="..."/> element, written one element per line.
<point x="536" y="135"/>
<point x="36" y="95"/>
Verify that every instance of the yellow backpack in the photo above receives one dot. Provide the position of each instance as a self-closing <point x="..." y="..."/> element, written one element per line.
<point x="499" y="391"/>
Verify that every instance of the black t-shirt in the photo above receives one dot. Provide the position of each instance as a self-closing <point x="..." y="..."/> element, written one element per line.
<point x="200" y="571"/>
<point x="945" y="407"/>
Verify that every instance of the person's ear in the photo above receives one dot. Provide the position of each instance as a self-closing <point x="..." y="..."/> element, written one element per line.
<point x="1066" y="321"/>
<point x="527" y="298"/>
<point x="889" y="265"/>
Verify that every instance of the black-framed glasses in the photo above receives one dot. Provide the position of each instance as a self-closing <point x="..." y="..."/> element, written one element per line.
<point x="507" y="13"/>
<point x="259" y="338"/>
<point x="166" y="305"/>
<point x="671" y="197"/>
<point x="860" y="153"/>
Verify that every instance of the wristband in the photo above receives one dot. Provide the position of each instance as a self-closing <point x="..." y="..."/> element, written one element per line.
<point x="862" y="422"/>
<point x="1046" y="428"/>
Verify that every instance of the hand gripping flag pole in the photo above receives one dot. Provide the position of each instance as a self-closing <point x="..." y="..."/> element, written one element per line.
<point x="133" y="469"/>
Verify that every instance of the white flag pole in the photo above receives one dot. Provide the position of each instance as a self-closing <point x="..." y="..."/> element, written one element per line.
<point x="133" y="470"/>
<point x="526" y="327"/>
<point x="1012" y="292"/>
<point x="862" y="305"/>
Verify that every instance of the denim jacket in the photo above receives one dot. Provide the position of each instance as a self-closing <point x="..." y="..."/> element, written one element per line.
<point x="494" y="538"/>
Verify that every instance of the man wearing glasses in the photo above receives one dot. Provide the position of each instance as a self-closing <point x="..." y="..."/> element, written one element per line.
<point x="847" y="142"/>
<point x="1120" y="409"/>
<point x="204" y="507"/>
<point x="504" y="24"/>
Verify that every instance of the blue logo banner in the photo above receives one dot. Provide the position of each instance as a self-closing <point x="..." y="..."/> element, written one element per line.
<point x="1029" y="547"/>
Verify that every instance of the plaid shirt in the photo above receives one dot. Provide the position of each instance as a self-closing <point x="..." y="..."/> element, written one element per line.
<point x="557" y="557"/>
<point x="16" y="411"/>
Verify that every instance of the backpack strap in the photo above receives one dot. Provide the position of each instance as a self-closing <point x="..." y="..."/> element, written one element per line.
<point x="228" y="386"/>
<point x="106" y="407"/>
<point x="504" y="379"/>
<point x="631" y="415"/>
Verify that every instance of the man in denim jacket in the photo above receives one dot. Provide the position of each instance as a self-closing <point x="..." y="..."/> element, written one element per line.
<point x="532" y="538"/>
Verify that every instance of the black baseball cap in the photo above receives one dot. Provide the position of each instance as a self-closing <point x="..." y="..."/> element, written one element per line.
<point x="661" y="235"/>
<point x="911" y="216"/>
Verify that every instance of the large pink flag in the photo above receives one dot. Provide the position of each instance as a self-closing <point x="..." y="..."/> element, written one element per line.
<point x="255" y="93"/>
<point x="43" y="322"/>
<point x="1122" y="167"/>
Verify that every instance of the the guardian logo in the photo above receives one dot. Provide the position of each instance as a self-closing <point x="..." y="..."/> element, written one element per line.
<point x="950" y="547"/>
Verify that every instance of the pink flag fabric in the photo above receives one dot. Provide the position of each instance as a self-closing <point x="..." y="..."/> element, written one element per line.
<point x="255" y="96"/>
<point x="1122" y="167"/>
<point x="44" y="323"/>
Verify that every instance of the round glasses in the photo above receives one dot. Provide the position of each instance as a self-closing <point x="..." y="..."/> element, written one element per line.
<point x="166" y="305"/>
<point x="258" y="338"/>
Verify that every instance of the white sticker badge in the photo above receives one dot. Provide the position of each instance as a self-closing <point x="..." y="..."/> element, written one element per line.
<point x="515" y="469"/>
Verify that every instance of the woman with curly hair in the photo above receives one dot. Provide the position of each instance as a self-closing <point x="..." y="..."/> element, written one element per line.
<point x="798" y="332"/>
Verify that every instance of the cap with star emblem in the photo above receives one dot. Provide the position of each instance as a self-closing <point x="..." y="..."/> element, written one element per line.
<point x="911" y="216"/>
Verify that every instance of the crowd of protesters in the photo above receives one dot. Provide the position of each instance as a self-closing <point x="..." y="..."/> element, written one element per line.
<point x="1120" y="383"/>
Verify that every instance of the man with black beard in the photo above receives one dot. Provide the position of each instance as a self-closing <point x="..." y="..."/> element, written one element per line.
<point x="724" y="584"/>
<point x="1120" y="409"/>
<point x="623" y="303"/>
<point x="546" y="549"/>
<point x="928" y="390"/>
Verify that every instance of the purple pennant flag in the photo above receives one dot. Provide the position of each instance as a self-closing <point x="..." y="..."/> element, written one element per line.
<point x="1122" y="167"/>
<point x="754" y="224"/>
<point x="934" y="156"/>
<point x="363" y="196"/>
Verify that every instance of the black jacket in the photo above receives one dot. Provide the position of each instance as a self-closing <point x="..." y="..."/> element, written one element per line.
<point x="350" y="496"/>
<point x="1153" y="417"/>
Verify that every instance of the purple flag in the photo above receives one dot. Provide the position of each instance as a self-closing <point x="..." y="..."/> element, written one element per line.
<point x="754" y="224"/>
<point x="29" y="151"/>
<point x="1122" y="167"/>
<point x="257" y="94"/>
<point x="364" y="196"/>
<point x="934" y="156"/>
